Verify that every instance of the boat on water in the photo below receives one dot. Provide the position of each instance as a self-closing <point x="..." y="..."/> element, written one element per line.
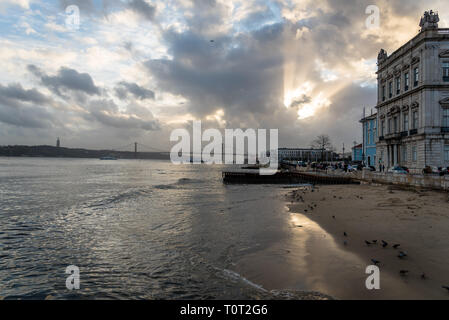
<point x="108" y="158"/>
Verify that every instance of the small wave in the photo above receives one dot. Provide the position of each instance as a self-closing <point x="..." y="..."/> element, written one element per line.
<point x="165" y="186"/>
<point x="188" y="181"/>
<point x="119" y="198"/>
<point x="237" y="277"/>
<point x="276" y="294"/>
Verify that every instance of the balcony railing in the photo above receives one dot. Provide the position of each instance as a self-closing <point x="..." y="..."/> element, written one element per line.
<point x="404" y="133"/>
<point x="413" y="131"/>
<point x="445" y="129"/>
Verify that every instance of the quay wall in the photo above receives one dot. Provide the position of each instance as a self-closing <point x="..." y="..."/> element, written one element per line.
<point x="416" y="180"/>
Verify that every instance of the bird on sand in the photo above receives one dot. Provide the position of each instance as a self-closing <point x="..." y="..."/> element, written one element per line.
<point x="374" y="241"/>
<point x="333" y="217"/>
<point x="423" y="276"/>
<point x="402" y="254"/>
<point x="396" y="246"/>
<point x="404" y="272"/>
<point x="445" y="287"/>
<point x="376" y="262"/>
<point x="384" y="243"/>
<point x="345" y="234"/>
<point x="368" y="243"/>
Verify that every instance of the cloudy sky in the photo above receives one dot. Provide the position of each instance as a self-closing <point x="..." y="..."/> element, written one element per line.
<point x="135" y="70"/>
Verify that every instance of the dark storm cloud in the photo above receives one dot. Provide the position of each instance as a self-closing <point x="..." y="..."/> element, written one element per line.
<point x="66" y="79"/>
<point x="240" y="75"/>
<point x="17" y="92"/>
<point x="24" y="108"/>
<point x="107" y="113"/>
<point x="124" y="88"/>
<point x="143" y="8"/>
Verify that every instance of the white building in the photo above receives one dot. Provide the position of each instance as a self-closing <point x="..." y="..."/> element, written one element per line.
<point x="413" y="100"/>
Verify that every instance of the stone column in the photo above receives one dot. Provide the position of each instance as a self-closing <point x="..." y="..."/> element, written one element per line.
<point x="395" y="152"/>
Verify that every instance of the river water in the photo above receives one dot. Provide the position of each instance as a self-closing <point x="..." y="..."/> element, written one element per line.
<point x="137" y="229"/>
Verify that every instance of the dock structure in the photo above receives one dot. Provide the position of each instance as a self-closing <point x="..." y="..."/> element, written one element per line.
<point x="283" y="177"/>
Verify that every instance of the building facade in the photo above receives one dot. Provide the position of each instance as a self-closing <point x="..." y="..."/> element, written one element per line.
<point x="369" y="127"/>
<point x="413" y="100"/>
<point x="357" y="153"/>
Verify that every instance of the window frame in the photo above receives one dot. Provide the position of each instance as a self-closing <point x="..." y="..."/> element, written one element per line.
<point x="406" y="81"/>
<point x="416" y="76"/>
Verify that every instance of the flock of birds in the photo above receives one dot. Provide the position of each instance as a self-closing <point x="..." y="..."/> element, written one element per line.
<point x="401" y="254"/>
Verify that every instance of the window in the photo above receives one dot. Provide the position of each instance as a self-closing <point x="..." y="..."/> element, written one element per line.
<point x="395" y="124"/>
<point x="446" y="71"/>
<point x="390" y="89"/>
<point x="414" y="154"/>
<point x="405" y="128"/>
<point x="407" y="81"/>
<point x="446" y="118"/>
<point x="383" y="93"/>
<point x="415" y="77"/>
<point x="415" y="120"/>
<point x="390" y="125"/>
<point x="382" y="129"/>
<point x="404" y="153"/>
<point x="398" y="85"/>
<point x="446" y="152"/>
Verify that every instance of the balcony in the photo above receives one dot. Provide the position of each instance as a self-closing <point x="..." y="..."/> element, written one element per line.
<point x="381" y="138"/>
<point x="404" y="134"/>
<point x="413" y="132"/>
<point x="445" y="129"/>
<point x="446" y="79"/>
<point x="392" y="136"/>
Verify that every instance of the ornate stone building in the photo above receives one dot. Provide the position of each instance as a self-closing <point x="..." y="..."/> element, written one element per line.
<point x="413" y="100"/>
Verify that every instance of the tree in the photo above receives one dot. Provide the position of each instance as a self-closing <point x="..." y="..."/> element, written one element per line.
<point x="322" y="142"/>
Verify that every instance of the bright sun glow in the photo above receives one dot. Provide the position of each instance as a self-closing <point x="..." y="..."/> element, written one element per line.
<point x="301" y="98"/>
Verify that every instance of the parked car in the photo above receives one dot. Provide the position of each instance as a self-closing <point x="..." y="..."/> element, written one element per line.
<point x="431" y="170"/>
<point x="397" y="170"/>
<point x="444" y="171"/>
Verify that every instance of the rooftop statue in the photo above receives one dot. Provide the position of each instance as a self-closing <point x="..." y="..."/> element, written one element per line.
<point x="382" y="55"/>
<point x="429" y="20"/>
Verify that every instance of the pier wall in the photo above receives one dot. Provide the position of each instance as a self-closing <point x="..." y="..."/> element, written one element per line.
<point x="417" y="180"/>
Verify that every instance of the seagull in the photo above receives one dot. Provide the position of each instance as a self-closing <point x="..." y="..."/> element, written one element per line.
<point x="384" y="243"/>
<point x="404" y="272"/>
<point x="345" y="234"/>
<point x="445" y="287"/>
<point x="368" y="243"/>
<point x="402" y="254"/>
<point x="376" y="262"/>
<point x="396" y="246"/>
<point x="333" y="217"/>
<point x="374" y="241"/>
<point x="423" y="276"/>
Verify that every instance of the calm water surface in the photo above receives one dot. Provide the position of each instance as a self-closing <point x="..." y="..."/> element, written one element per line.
<point x="136" y="229"/>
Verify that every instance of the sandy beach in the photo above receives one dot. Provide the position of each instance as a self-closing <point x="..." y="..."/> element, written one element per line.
<point x="318" y="256"/>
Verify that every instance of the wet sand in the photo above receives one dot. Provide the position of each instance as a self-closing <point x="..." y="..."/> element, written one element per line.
<point x="317" y="256"/>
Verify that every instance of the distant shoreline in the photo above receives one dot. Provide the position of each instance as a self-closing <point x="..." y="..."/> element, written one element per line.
<point x="61" y="152"/>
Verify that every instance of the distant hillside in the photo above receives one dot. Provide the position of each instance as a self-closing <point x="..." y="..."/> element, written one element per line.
<point x="55" y="152"/>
